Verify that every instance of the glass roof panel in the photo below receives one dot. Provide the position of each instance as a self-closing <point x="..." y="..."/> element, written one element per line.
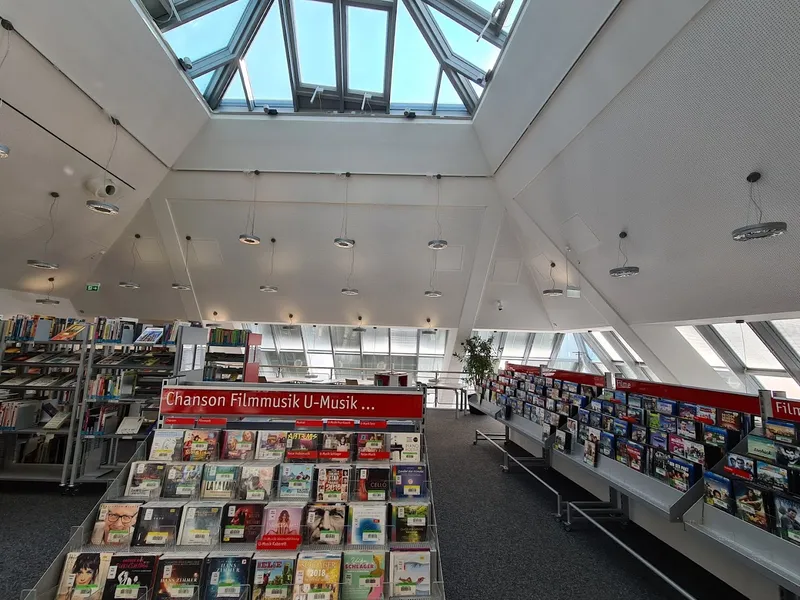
<point x="316" y="53"/>
<point x="266" y="61"/>
<point x="201" y="83"/>
<point x="449" y="100"/>
<point x="747" y="346"/>
<point x="414" y="68"/>
<point x="790" y="330"/>
<point x="207" y="34"/>
<point x="235" y="92"/>
<point x="463" y="42"/>
<point x="366" y="48"/>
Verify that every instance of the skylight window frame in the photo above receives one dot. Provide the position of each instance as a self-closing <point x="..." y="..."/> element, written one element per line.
<point x="390" y="8"/>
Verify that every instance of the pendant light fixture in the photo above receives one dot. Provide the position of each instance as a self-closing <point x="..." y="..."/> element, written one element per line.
<point x="552" y="290"/>
<point x="249" y="237"/>
<point x="108" y="187"/>
<point x="432" y="292"/>
<point x="43" y="263"/>
<point x="348" y="290"/>
<point x="185" y="287"/>
<point x="290" y="326"/>
<point x="130" y="284"/>
<point x="270" y="288"/>
<point x="48" y="300"/>
<point x="624" y="270"/>
<point x="428" y="330"/>
<point x="573" y="291"/>
<point x="760" y="229"/>
<point x="5" y="150"/>
<point x="438" y="243"/>
<point x="360" y="328"/>
<point x="343" y="241"/>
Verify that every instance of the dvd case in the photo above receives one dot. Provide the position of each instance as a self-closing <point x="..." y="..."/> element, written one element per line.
<point x="761" y="447"/>
<point x="405" y="447"/>
<point x="280" y="519"/>
<point x="590" y="453"/>
<point x="787" y="521"/>
<point x="84" y="575"/>
<point x="220" y="481"/>
<point x="317" y="575"/>
<point x="563" y="441"/>
<point x="157" y="525"/>
<point x="367" y="524"/>
<point x="410" y="481"/>
<point x="772" y="476"/>
<point x="200" y="524"/>
<point x="145" y="479"/>
<point x="325" y="523"/>
<point x="179" y="577"/>
<point x="410" y="522"/>
<point x="255" y="481"/>
<point x="242" y="522"/>
<point x="296" y="481"/>
<point x="740" y="466"/>
<point x="751" y="504"/>
<point x="607" y="444"/>
<point x="637" y="456"/>
<point x="200" y="445"/>
<point x="639" y="434"/>
<point x="239" y="444"/>
<point x="226" y="576"/>
<point x="715" y="436"/>
<point x="410" y="573"/>
<point x="115" y="524"/>
<point x="273" y="577"/>
<point x="681" y="474"/>
<point x="129" y="575"/>
<point x="718" y="491"/>
<point x="167" y="444"/>
<point x="787" y="456"/>
<point x="363" y="575"/>
<point x="781" y="431"/>
<point x="271" y="445"/>
<point x="182" y="480"/>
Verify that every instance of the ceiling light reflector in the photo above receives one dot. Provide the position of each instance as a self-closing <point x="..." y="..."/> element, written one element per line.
<point x="552" y="292"/>
<point x="250" y="239"/>
<point x="433" y="294"/>
<point x="42" y="264"/>
<point x="48" y="301"/>
<point x="762" y="230"/>
<point x="348" y="291"/>
<point x="184" y="287"/>
<point x="624" y="272"/>
<point x="268" y="288"/>
<point x="343" y="242"/>
<point x="129" y="285"/>
<point x="437" y="244"/>
<point x="103" y="208"/>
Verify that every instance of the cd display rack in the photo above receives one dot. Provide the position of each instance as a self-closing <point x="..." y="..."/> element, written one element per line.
<point x="269" y="491"/>
<point x="704" y="458"/>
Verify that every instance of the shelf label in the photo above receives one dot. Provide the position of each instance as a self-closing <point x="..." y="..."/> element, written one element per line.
<point x="182" y="591"/>
<point x="372" y="424"/>
<point x="371" y="536"/>
<point x="234" y="531"/>
<point x="212" y="422"/>
<point x="125" y="592"/>
<point x="333" y="454"/>
<point x="308" y="423"/>
<point x="370" y="582"/>
<point x="278" y="542"/>
<point x="179" y="421"/>
<point x="341" y="423"/>
<point x="329" y="537"/>
<point x="416" y="521"/>
<point x="376" y="495"/>
<point x="309" y="454"/>
<point x="374" y="455"/>
<point x="229" y="591"/>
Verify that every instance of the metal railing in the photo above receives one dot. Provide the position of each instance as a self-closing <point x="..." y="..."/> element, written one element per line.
<point x="313" y="374"/>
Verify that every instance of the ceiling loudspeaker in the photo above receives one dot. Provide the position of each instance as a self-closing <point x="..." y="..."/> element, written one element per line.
<point x="102" y="187"/>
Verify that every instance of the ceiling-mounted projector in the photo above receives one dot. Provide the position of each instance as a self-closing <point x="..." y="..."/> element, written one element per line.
<point x="102" y="187"/>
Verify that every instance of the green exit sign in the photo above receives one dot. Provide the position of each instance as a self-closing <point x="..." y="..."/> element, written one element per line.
<point x="92" y="287"/>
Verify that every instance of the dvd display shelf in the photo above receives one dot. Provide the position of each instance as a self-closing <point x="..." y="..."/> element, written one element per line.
<point x="124" y="379"/>
<point x="327" y="412"/>
<point x="46" y="371"/>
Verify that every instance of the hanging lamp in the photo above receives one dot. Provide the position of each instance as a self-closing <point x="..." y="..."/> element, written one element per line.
<point x="553" y="290"/>
<point x="270" y="288"/>
<point x="290" y="326"/>
<point x="432" y="292"/>
<point x="343" y="241"/>
<point x="108" y="186"/>
<point x="438" y="243"/>
<point x="47" y="299"/>
<point x="360" y="328"/>
<point x="185" y="287"/>
<point x="43" y="263"/>
<point x="249" y="237"/>
<point x="573" y="291"/>
<point x="428" y="330"/>
<point x="130" y="284"/>
<point x="625" y="270"/>
<point x="758" y="230"/>
<point x="348" y="290"/>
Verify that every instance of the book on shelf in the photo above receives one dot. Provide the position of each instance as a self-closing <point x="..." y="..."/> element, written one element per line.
<point x="130" y="426"/>
<point x="227" y="337"/>
<point x="150" y="335"/>
<point x="69" y="333"/>
<point x="57" y="420"/>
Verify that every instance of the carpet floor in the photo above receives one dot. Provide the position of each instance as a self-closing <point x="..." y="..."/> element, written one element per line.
<point x="497" y="533"/>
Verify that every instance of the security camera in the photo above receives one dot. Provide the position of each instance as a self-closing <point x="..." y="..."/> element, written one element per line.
<point x="500" y="305"/>
<point x="102" y="187"/>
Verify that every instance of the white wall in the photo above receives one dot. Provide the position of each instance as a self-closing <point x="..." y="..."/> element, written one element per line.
<point x="13" y="302"/>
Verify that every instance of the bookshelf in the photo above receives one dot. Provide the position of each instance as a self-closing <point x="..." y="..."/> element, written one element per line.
<point x="232" y="356"/>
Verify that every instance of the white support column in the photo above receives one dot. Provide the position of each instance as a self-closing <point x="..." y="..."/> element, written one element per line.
<point x="592" y="296"/>
<point x="481" y="267"/>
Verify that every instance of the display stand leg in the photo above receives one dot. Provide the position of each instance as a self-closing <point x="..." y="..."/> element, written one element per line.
<point x="616" y="509"/>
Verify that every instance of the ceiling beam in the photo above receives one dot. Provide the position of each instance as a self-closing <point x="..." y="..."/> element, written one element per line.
<point x="422" y="17"/>
<point x="340" y="49"/>
<point x="242" y="37"/>
<point x="211" y="63"/>
<point x="472" y="17"/>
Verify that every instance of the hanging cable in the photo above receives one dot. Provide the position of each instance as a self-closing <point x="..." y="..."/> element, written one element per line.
<point x="438" y="204"/>
<point x="433" y="271"/>
<point x="8" y="49"/>
<point x="133" y="255"/>
<point x="753" y="193"/>
<point x="114" y="145"/>
<point x="54" y="195"/>
<point x="343" y="230"/>
<point x="352" y="264"/>
<point x="744" y="355"/>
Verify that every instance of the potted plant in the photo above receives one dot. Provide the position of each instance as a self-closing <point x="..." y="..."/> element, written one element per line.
<point x="478" y="359"/>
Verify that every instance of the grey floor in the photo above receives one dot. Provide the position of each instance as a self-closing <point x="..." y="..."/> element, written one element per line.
<point x="498" y="537"/>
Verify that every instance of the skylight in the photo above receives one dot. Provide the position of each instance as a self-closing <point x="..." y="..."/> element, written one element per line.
<point x="339" y="56"/>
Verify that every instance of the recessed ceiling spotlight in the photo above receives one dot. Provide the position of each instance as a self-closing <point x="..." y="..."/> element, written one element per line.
<point x="552" y="291"/>
<point x="103" y="208"/>
<point x="250" y="239"/>
<point x="268" y="288"/>
<point x="433" y="294"/>
<point x="42" y="264"/>
<point x="129" y="285"/>
<point x="437" y="244"/>
<point x="623" y="270"/>
<point x="183" y="287"/>
<point x="349" y="291"/>
<point x="345" y="243"/>
<point x="759" y="230"/>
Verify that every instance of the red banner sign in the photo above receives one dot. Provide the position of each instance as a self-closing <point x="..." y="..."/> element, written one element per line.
<point x="716" y="399"/>
<point x="786" y="410"/>
<point x="212" y="422"/>
<point x="291" y="403"/>
<point x="372" y="424"/>
<point x="523" y="369"/>
<point x="376" y="455"/>
<point x="302" y="454"/>
<point x="179" y="421"/>
<point x="308" y="424"/>
<point x="278" y="542"/>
